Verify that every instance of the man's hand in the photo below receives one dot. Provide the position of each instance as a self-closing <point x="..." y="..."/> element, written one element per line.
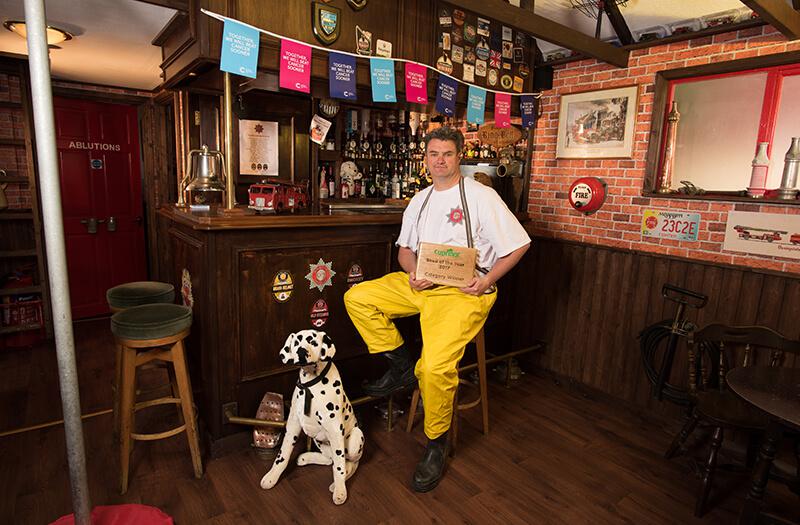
<point x="418" y="285"/>
<point x="477" y="285"/>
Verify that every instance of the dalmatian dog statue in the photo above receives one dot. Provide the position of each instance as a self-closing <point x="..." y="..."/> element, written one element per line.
<point x="320" y="409"/>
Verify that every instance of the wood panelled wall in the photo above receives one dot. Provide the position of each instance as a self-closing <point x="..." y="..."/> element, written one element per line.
<point x="589" y="303"/>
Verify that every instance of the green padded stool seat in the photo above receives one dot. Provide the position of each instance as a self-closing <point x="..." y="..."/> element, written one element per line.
<point x="138" y="293"/>
<point x="151" y="321"/>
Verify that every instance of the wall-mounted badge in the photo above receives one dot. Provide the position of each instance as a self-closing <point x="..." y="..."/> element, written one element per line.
<point x="445" y="20"/>
<point x="363" y="42"/>
<point x="492" y="77"/>
<point x="186" y="289"/>
<point x="383" y="48"/>
<point x="508" y="50"/>
<point x="524" y="70"/>
<point x="320" y="275"/>
<point x="480" y="68"/>
<point x="483" y="26"/>
<point x="506" y="82"/>
<point x="518" y="84"/>
<point x="319" y="313"/>
<point x="96" y="164"/>
<point x="507" y="66"/>
<point x="282" y="286"/>
<point x="444" y="65"/>
<point x="326" y="22"/>
<point x="445" y="41"/>
<point x="469" y="73"/>
<point x="507" y="33"/>
<point x="482" y="49"/>
<point x="354" y="275"/>
<point x="458" y="54"/>
<point x="458" y="17"/>
<point x="470" y="33"/>
<point x="519" y="55"/>
<point x="494" y="59"/>
<point x="357" y="5"/>
<point x="520" y="39"/>
<point x="469" y="55"/>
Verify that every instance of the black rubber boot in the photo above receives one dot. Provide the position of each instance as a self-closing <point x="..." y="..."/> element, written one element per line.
<point x="399" y="376"/>
<point x="430" y="468"/>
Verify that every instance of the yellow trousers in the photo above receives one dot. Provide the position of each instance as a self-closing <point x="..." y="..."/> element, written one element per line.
<point x="449" y="319"/>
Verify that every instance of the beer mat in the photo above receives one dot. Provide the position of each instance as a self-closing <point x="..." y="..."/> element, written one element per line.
<point x="446" y="264"/>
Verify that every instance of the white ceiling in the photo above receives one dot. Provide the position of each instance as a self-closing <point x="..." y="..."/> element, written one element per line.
<point x="112" y="43"/>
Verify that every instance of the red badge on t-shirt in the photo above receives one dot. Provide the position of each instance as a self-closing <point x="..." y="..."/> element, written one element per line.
<point x="455" y="216"/>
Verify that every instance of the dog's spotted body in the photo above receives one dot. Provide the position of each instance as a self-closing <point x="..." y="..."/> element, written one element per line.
<point x="322" y="411"/>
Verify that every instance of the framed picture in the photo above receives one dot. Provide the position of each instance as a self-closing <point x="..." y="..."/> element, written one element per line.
<point x="597" y="124"/>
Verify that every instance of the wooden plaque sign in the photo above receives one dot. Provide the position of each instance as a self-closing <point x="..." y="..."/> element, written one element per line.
<point x="499" y="137"/>
<point x="446" y="264"/>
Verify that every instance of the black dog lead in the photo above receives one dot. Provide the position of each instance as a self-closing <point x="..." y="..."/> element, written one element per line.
<point x="304" y="388"/>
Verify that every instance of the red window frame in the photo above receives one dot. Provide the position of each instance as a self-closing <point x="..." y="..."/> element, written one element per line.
<point x="769" y="106"/>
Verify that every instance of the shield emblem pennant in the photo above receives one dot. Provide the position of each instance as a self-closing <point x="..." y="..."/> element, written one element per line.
<point x="326" y="22"/>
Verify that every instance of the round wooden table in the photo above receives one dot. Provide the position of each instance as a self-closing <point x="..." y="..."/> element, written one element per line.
<point x="776" y="391"/>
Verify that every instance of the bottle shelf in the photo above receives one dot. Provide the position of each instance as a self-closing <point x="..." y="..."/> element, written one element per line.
<point x="9" y="104"/>
<point x="20" y="328"/>
<point x="21" y="214"/>
<point x="17" y="253"/>
<point x="12" y="142"/>
<point x="20" y="291"/>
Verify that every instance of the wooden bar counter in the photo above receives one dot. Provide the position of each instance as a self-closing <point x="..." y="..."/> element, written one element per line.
<point x="225" y="264"/>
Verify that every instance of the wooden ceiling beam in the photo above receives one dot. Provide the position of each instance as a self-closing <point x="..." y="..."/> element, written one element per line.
<point x="618" y="22"/>
<point x="779" y="14"/>
<point x="548" y="30"/>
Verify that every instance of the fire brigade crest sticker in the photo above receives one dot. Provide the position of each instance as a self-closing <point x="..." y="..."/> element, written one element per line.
<point x="282" y="286"/>
<point x="319" y="313"/>
<point x="186" y="289"/>
<point x="320" y="275"/>
<point x="455" y="216"/>
<point x="354" y="275"/>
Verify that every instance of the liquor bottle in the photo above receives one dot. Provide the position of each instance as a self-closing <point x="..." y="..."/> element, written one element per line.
<point x="758" y="177"/>
<point x="332" y="184"/>
<point x="372" y="183"/>
<point x="396" y="184"/>
<point x="358" y="184"/>
<point x="323" y="183"/>
<point x="345" y="189"/>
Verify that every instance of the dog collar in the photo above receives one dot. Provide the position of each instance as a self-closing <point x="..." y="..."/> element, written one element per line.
<point x="305" y="387"/>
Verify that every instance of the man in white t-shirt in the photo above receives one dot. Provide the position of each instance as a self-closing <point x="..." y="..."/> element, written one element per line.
<point x="449" y="317"/>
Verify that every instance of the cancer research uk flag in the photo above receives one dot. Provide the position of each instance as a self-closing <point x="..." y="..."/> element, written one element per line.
<point x="342" y="76"/>
<point x="382" y="73"/>
<point x="502" y="110"/>
<point x="527" y="105"/>
<point x="239" y="49"/>
<point x="446" y="95"/>
<point x="295" y="66"/>
<point x="416" y="83"/>
<point x="476" y="105"/>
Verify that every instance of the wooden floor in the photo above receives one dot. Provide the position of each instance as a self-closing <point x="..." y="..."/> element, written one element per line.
<point x="552" y="456"/>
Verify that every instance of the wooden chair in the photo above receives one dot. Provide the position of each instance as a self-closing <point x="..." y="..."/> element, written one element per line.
<point x="482" y="399"/>
<point x="714" y="403"/>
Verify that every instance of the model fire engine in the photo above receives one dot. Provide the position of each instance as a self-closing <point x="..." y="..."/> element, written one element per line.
<point x="759" y="234"/>
<point x="276" y="197"/>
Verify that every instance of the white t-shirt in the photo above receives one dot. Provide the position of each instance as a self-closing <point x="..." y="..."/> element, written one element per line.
<point x="496" y="232"/>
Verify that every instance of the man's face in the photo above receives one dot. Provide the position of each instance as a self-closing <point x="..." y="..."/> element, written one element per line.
<point x="442" y="158"/>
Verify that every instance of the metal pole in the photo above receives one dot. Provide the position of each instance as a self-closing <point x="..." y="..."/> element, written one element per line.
<point x="44" y="126"/>
<point x="230" y="187"/>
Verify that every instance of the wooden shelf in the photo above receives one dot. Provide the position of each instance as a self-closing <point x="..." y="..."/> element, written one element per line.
<point x="9" y="104"/>
<point x="12" y="142"/>
<point x="21" y="291"/>
<point x="20" y="328"/>
<point x="18" y="253"/>
<point x="16" y="215"/>
<point x="13" y="179"/>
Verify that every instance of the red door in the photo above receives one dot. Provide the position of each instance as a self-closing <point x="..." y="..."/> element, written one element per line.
<point x="101" y="194"/>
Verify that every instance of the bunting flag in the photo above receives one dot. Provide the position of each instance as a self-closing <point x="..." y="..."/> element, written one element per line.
<point x="476" y="105"/>
<point x="382" y="73"/>
<point x="295" y="73"/>
<point x="527" y="107"/>
<point x="416" y="83"/>
<point x="342" y="76"/>
<point x="446" y="96"/>
<point x="239" y="49"/>
<point x="502" y="110"/>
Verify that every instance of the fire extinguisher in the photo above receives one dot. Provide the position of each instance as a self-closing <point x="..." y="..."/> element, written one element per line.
<point x="587" y="194"/>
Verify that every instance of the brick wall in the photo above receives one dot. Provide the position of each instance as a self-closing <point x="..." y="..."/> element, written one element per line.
<point x="618" y="223"/>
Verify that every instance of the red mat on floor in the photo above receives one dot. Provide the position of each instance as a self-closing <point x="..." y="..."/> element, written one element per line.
<point x="130" y="514"/>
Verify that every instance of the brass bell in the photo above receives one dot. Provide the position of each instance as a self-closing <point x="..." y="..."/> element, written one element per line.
<point x="206" y="177"/>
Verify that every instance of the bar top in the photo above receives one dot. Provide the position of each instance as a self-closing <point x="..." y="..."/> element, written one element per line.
<point x="242" y="218"/>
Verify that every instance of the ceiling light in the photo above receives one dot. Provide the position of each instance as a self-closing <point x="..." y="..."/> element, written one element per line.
<point x="54" y="34"/>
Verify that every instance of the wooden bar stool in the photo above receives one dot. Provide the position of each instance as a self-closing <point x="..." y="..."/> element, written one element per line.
<point x="143" y="334"/>
<point x="482" y="399"/>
